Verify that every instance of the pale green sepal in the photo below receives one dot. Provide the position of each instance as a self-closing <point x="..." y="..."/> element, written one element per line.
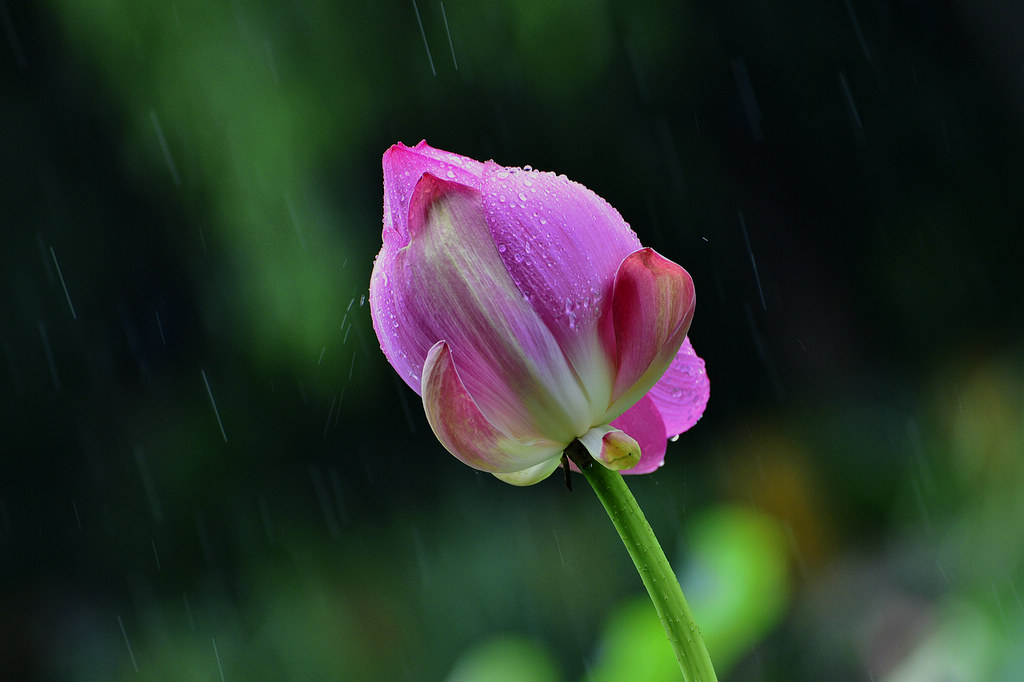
<point x="614" y="449"/>
<point x="531" y="475"/>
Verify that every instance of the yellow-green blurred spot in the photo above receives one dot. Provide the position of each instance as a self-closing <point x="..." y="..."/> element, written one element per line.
<point x="736" y="583"/>
<point x="506" y="659"/>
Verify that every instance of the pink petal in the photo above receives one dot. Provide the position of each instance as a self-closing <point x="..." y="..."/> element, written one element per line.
<point x="449" y="159"/>
<point x="465" y="431"/>
<point x="652" y="306"/>
<point x="562" y="245"/>
<point x="448" y="283"/>
<point x="403" y="167"/>
<point x="643" y="422"/>
<point x="682" y="392"/>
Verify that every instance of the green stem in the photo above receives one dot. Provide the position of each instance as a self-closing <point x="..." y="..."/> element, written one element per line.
<point x="655" y="571"/>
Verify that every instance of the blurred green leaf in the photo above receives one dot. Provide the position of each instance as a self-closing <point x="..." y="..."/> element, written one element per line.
<point x="737" y="586"/>
<point x="962" y="646"/>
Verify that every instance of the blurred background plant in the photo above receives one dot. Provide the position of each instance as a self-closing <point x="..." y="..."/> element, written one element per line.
<point x="209" y="471"/>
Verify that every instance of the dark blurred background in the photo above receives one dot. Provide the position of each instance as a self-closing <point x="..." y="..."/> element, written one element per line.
<point x="209" y="471"/>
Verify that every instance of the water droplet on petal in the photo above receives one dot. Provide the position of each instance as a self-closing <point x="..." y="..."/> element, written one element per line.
<point x="451" y="174"/>
<point x="502" y="248"/>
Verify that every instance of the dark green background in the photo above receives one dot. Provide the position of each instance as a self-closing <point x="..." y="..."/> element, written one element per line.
<point x="204" y="178"/>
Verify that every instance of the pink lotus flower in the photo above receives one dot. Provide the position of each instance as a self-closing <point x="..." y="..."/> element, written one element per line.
<point x="523" y="310"/>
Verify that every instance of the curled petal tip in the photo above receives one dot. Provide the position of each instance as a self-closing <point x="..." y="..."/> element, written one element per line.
<point x="652" y="306"/>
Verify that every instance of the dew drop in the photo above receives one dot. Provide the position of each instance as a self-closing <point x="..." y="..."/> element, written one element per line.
<point x="518" y="257"/>
<point x="502" y="248"/>
<point x="450" y="174"/>
<point x="501" y="198"/>
<point x="522" y="197"/>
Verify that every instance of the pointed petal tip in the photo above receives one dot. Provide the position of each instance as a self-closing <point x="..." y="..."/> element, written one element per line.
<point x="400" y="158"/>
<point x="395" y="150"/>
<point x="428" y="190"/>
